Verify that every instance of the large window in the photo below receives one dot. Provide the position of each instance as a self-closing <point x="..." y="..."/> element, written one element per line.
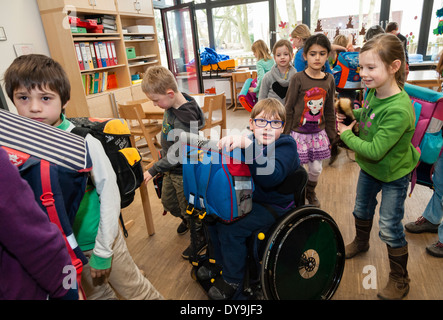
<point x="230" y="27"/>
<point x="237" y="27"/>
<point x="288" y="15"/>
<point x="408" y="19"/>
<point x="351" y="18"/>
<point x="435" y="40"/>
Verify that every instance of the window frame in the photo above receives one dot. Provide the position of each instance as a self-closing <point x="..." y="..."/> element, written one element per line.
<point x="385" y="9"/>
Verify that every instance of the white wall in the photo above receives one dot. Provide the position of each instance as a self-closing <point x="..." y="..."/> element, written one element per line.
<point x="22" y="24"/>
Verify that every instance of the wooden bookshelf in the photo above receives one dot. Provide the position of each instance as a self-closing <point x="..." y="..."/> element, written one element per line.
<point x="61" y="42"/>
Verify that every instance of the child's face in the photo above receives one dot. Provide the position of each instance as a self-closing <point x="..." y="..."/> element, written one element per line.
<point x="316" y="57"/>
<point x="41" y="105"/>
<point x="282" y="56"/>
<point x="265" y="135"/>
<point x="373" y="71"/>
<point x="164" y="101"/>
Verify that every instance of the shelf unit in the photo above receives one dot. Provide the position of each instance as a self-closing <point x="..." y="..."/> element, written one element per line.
<point x="61" y="42"/>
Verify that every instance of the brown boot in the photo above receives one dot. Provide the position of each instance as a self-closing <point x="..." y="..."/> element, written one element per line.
<point x="310" y="193"/>
<point x="361" y="240"/>
<point x="398" y="283"/>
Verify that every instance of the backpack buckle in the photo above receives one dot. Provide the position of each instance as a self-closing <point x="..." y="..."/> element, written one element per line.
<point x="47" y="199"/>
<point x="190" y="209"/>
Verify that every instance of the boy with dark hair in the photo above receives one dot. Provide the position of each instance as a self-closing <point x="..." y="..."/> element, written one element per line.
<point x="40" y="89"/>
<point x="182" y="113"/>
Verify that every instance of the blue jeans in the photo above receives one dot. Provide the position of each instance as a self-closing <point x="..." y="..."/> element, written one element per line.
<point x="393" y="196"/>
<point x="434" y="210"/>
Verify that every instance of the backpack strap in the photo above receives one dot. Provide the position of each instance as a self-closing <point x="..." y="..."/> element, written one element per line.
<point x="48" y="202"/>
<point x="345" y="74"/>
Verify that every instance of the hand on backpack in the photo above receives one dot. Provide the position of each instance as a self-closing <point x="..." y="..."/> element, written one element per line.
<point x="147" y="176"/>
<point x="229" y="143"/>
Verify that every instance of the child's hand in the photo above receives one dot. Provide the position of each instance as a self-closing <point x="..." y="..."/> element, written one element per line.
<point x="251" y="89"/>
<point x="147" y="176"/>
<point x="340" y="117"/>
<point x="229" y="143"/>
<point x="341" y="127"/>
<point x="97" y="273"/>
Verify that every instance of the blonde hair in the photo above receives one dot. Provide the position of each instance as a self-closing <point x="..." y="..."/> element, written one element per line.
<point x="389" y="48"/>
<point x="341" y="40"/>
<point x="282" y="43"/>
<point x="301" y="31"/>
<point x="261" y="50"/>
<point x="158" y="80"/>
<point x="271" y="107"/>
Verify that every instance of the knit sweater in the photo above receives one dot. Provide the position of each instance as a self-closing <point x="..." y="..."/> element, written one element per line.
<point x="303" y="91"/>
<point x="275" y="84"/>
<point x="383" y="148"/>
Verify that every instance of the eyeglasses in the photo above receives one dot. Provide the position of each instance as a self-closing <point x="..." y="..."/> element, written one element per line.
<point x="262" y="123"/>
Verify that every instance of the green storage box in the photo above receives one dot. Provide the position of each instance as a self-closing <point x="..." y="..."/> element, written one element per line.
<point x="78" y="30"/>
<point x="130" y="52"/>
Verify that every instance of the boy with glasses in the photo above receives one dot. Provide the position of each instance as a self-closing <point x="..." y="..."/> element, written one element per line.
<point x="271" y="157"/>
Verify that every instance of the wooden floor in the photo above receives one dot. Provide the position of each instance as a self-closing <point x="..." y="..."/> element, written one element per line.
<point x="160" y="255"/>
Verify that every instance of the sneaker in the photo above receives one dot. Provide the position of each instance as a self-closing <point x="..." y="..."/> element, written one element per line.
<point x="182" y="228"/>
<point x="435" y="249"/>
<point x="222" y="290"/>
<point x="421" y="225"/>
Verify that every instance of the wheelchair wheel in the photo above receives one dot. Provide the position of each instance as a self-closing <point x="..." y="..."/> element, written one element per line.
<point x="304" y="257"/>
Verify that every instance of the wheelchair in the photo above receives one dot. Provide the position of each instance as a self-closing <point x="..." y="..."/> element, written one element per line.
<point x="300" y="257"/>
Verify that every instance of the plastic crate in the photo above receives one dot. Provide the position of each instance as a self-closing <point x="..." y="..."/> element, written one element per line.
<point x="130" y="52"/>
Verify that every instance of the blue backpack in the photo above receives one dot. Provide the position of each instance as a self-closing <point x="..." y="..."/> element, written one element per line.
<point x="346" y="71"/>
<point x="56" y="165"/>
<point x="216" y="183"/>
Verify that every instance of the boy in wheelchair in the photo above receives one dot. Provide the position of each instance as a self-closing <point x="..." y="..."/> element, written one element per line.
<point x="271" y="157"/>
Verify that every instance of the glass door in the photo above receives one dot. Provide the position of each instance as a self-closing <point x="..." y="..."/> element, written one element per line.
<point x="181" y="42"/>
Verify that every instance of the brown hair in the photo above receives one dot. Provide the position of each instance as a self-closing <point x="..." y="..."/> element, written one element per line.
<point x="389" y="48"/>
<point x="37" y="71"/>
<point x="158" y="80"/>
<point x="302" y="31"/>
<point x="260" y="48"/>
<point x="282" y="43"/>
<point x="391" y="26"/>
<point x="271" y="107"/>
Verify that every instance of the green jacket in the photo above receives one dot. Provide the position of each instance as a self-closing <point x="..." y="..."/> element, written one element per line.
<point x="383" y="148"/>
<point x="263" y="66"/>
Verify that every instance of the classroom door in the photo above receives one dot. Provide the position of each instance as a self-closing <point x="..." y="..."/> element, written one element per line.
<point x="181" y="42"/>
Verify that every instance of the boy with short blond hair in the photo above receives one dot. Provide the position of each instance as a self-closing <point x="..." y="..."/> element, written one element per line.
<point x="182" y="113"/>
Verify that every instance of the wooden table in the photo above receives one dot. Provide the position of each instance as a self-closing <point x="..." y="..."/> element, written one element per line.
<point x="425" y="78"/>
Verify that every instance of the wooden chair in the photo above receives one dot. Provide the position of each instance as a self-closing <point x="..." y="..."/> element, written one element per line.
<point x="238" y="79"/>
<point x="141" y="127"/>
<point x="212" y="103"/>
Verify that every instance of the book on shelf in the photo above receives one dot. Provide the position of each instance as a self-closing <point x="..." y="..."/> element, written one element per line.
<point x="97" y="54"/>
<point x="95" y="82"/>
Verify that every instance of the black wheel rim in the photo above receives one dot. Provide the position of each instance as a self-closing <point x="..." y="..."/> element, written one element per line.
<point x="304" y="257"/>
